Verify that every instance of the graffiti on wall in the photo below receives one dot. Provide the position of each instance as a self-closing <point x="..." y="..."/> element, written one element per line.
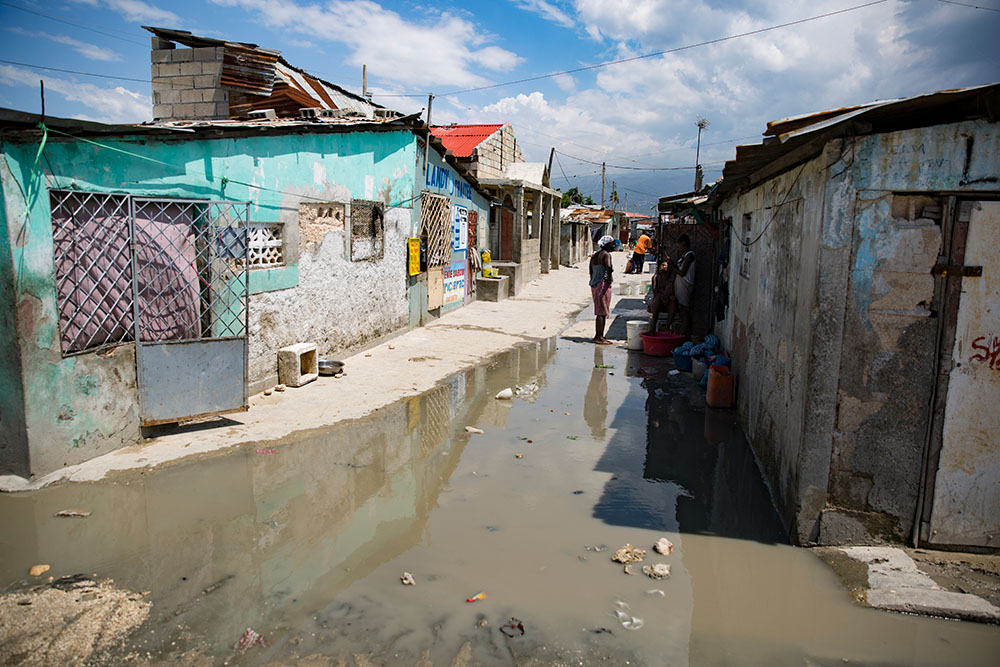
<point x="987" y="349"/>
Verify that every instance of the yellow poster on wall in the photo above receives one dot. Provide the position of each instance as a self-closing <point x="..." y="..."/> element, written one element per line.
<point x="414" y="247"/>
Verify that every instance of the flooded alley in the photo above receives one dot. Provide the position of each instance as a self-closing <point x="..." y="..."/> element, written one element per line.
<point x="305" y="540"/>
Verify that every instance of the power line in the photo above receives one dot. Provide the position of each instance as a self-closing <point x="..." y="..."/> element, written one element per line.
<point x="73" y="71"/>
<point x="962" y="4"/>
<point x="78" y="24"/>
<point x="612" y="166"/>
<point x="678" y="49"/>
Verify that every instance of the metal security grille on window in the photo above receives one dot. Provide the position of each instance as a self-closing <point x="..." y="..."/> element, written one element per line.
<point x="367" y="230"/>
<point x="93" y="263"/>
<point x="185" y="279"/>
<point x="747" y="240"/>
<point x="435" y="216"/>
<point x="191" y="263"/>
<point x="266" y="247"/>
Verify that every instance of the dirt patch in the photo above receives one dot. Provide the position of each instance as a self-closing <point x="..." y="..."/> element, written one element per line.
<point x="71" y="621"/>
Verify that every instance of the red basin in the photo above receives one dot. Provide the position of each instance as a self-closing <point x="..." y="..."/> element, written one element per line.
<point x="660" y="343"/>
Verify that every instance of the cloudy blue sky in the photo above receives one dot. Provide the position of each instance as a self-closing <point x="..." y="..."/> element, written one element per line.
<point x="471" y="55"/>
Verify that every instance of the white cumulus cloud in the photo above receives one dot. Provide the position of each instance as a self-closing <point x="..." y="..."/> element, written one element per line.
<point x="107" y="105"/>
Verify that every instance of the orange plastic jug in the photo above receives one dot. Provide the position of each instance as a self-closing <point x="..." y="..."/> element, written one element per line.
<point x="720" y="392"/>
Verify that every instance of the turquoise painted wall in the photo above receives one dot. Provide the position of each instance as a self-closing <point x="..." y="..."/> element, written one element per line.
<point x="13" y="452"/>
<point x="81" y="406"/>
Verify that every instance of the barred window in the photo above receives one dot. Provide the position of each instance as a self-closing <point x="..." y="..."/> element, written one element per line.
<point x="267" y="248"/>
<point x="435" y="223"/>
<point x="367" y="230"/>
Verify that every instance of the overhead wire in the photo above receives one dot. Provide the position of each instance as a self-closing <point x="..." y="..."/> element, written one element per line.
<point x="962" y="4"/>
<point x="78" y="24"/>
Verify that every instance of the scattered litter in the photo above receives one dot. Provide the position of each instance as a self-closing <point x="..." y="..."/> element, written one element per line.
<point x="663" y="546"/>
<point x="392" y="347"/>
<point x="477" y="597"/>
<point x="73" y="513"/>
<point x="513" y="629"/>
<point x="491" y="529"/>
<point x="407" y="579"/>
<point x="656" y="591"/>
<point x="279" y="387"/>
<point x="572" y="437"/>
<point x="577" y="492"/>
<point x="601" y="631"/>
<point x="473" y="429"/>
<point x="628" y="568"/>
<point x="629" y="554"/>
<point x="268" y="392"/>
<point x="249" y="639"/>
<point x="598" y="548"/>
<point x="267" y="451"/>
<point x="566" y="413"/>
<point x="603" y="365"/>
<point x="658" y="571"/>
<point x="273" y="524"/>
<point x="526" y="390"/>
<point x="39" y="570"/>
<point x="482" y="622"/>
<point x="673" y="371"/>
<point x="521" y="437"/>
<point x="518" y="456"/>
<point x="505" y="394"/>
<point x="659" y="393"/>
<point x="624" y="615"/>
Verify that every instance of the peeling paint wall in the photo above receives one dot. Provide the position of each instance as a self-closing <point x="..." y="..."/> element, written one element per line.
<point x="81" y="406"/>
<point x="833" y="328"/>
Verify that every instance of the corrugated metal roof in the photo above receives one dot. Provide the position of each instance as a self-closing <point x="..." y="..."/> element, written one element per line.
<point x="787" y="135"/>
<point x="461" y="140"/>
<point x="271" y="81"/>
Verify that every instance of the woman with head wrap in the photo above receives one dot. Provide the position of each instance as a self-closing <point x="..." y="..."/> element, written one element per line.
<point x="600" y="286"/>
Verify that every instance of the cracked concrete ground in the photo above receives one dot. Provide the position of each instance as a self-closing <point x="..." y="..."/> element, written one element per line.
<point x="955" y="585"/>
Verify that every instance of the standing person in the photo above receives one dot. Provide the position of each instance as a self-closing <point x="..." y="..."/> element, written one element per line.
<point x="663" y="294"/>
<point x="600" y="286"/>
<point x="639" y="254"/>
<point x="684" y="283"/>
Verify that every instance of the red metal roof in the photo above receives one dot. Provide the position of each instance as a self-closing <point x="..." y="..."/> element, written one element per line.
<point x="461" y="140"/>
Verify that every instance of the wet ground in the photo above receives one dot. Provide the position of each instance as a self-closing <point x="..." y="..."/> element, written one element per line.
<point x="305" y="540"/>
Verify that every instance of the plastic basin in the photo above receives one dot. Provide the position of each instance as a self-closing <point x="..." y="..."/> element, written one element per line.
<point x="660" y="343"/>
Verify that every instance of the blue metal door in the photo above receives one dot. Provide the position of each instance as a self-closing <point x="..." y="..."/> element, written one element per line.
<point x="190" y="282"/>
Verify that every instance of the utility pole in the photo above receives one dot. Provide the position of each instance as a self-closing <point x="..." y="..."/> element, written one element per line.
<point x="602" y="183"/>
<point x="364" y="81"/>
<point x="702" y="123"/>
<point x="427" y="146"/>
<point x="552" y="154"/>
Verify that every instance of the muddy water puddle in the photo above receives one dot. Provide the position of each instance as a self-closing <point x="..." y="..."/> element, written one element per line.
<point x="305" y="540"/>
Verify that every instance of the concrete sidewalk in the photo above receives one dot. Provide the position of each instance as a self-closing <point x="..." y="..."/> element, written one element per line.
<point x="404" y="366"/>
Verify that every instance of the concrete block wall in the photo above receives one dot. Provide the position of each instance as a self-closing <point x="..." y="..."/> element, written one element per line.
<point x="186" y="82"/>
<point x="493" y="155"/>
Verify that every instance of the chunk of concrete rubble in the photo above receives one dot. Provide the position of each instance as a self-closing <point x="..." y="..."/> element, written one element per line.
<point x="663" y="546"/>
<point x="657" y="571"/>
<point x="629" y="554"/>
<point x="896" y="584"/>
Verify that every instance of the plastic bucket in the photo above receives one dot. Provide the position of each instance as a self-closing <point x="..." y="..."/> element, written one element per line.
<point x="633" y="328"/>
<point x="697" y="368"/>
<point x="682" y="360"/>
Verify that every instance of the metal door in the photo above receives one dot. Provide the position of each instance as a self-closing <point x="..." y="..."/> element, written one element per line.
<point x="190" y="283"/>
<point x="506" y="234"/>
<point x="965" y="509"/>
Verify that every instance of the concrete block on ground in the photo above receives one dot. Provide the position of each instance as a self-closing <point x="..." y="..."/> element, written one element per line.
<point x="298" y="364"/>
<point x="492" y="289"/>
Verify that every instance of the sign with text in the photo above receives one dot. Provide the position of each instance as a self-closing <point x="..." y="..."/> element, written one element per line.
<point x="459" y="228"/>
<point x="454" y="282"/>
<point x="413" y="246"/>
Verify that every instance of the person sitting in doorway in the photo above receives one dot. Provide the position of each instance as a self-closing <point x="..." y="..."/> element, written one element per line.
<point x="600" y="286"/>
<point x="663" y="293"/>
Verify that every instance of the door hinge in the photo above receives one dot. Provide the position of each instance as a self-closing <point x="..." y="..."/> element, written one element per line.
<point x="957" y="270"/>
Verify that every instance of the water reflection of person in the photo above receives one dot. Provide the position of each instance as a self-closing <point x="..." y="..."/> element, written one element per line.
<point x="595" y="403"/>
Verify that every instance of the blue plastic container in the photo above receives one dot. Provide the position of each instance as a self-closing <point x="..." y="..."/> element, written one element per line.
<point x="682" y="359"/>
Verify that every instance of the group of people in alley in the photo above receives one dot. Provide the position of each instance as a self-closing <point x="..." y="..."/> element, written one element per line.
<point x="672" y="284"/>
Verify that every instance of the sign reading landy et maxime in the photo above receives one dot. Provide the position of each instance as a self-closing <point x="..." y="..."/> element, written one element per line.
<point x="445" y="179"/>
